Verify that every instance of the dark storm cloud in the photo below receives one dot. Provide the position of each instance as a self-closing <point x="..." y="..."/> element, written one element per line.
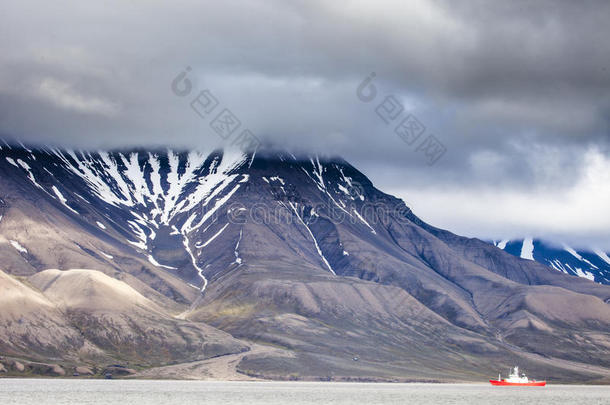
<point x="516" y="91"/>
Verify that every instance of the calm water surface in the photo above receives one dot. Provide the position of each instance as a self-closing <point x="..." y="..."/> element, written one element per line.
<point x="85" y="392"/>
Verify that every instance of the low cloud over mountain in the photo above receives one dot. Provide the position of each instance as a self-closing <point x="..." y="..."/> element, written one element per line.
<point x="517" y="93"/>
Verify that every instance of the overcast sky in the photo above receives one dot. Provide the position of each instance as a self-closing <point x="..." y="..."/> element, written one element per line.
<point x="517" y="92"/>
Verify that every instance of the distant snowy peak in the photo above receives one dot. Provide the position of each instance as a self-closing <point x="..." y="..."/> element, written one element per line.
<point x="592" y="264"/>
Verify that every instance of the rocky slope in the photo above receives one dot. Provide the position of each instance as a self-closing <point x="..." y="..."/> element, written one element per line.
<point x="85" y="316"/>
<point x="303" y="255"/>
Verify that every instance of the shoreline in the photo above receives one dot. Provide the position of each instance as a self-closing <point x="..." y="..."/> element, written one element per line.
<point x="299" y="382"/>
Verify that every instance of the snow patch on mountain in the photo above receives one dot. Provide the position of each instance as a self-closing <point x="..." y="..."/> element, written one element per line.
<point x="238" y="259"/>
<point x="62" y="199"/>
<point x="602" y="255"/>
<point x="11" y="161"/>
<point x="502" y="244"/>
<point x="585" y="274"/>
<point x="18" y="246"/>
<point x="527" y="250"/>
<point x="154" y="262"/>
<point x="186" y="242"/>
<point x="215" y="236"/>
<point x="315" y="242"/>
<point x="28" y="169"/>
<point x="106" y="255"/>
<point x="576" y="255"/>
<point x="365" y="222"/>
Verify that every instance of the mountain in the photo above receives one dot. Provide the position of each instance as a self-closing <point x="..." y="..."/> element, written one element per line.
<point x="593" y="264"/>
<point x="55" y="312"/>
<point x="272" y="266"/>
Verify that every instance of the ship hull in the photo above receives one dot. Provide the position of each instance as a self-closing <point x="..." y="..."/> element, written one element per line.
<point x="509" y="384"/>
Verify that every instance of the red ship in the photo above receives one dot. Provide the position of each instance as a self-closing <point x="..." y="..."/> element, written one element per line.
<point x="517" y="381"/>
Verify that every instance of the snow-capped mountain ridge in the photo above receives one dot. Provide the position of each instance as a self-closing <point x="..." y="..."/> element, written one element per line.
<point x="299" y="253"/>
<point x="183" y="192"/>
<point x="592" y="264"/>
<point x="158" y="198"/>
<point x="146" y="190"/>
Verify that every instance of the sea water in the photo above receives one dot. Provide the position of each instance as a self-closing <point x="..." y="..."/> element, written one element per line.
<point x="146" y="392"/>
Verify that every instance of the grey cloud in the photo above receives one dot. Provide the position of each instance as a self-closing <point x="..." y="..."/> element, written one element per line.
<point x="517" y="91"/>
